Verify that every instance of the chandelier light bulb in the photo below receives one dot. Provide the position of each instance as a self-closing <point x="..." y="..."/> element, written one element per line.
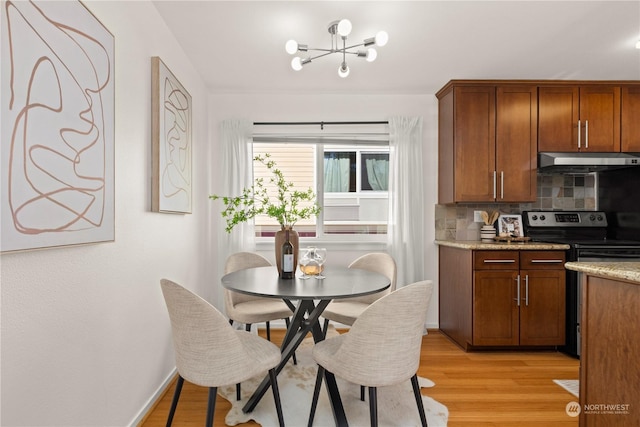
<point x="291" y="47"/>
<point x="372" y="54"/>
<point x="343" y="70"/>
<point x="344" y="27"/>
<point x="296" y="63"/>
<point x="382" y="38"/>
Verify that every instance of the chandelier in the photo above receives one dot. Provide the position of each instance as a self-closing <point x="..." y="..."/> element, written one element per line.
<point x="339" y="31"/>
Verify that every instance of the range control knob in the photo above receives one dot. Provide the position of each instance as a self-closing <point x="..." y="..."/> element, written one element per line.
<point x="534" y="217"/>
<point x="542" y="217"/>
<point x="600" y="218"/>
<point x="592" y="217"/>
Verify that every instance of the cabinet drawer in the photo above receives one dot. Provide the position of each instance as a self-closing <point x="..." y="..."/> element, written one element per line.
<point x="495" y="260"/>
<point x="542" y="260"/>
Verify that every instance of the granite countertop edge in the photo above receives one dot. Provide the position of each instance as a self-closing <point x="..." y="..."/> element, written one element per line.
<point x="629" y="271"/>
<point x="513" y="246"/>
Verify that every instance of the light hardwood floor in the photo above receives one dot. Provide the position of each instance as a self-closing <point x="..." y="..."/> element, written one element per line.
<point x="480" y="389"/>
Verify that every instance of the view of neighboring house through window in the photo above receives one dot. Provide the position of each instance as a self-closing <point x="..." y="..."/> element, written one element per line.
<point x="350" y="179"/>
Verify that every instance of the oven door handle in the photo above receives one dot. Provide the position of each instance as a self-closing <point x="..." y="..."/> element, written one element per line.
<point x="600" y="254"/>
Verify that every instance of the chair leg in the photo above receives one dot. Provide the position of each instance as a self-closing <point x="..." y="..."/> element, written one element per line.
<point x="276" y="395"/>
<point x="326" y="327"/>
<point x="418" y="395"/>
<point x="247" y="327"/>
<point x="316" y="394"/>
<point x="373" y="406"/>
<point x="211" y="406"/>
<point x="268" y="331"/>
<point x="362" y="393"/>
<point x="288" y="322"/>
<point x="174" y="403"/>
<point x="238" y="391"/>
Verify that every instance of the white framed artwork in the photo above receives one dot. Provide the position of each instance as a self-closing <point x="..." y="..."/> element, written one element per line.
<point x="510" y="225"/>
<point x="57" y="126"/>
<point x="171" y="134"/>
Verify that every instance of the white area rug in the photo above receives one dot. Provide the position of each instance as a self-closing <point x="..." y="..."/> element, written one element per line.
<point x="572" y="386"/>
<point x="396" y="405"/>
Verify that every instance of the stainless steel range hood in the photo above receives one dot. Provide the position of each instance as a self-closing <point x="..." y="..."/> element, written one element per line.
<point x="585" y="162"/>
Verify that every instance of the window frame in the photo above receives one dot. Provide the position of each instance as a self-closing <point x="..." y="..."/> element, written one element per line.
<point x="363" y="143"/>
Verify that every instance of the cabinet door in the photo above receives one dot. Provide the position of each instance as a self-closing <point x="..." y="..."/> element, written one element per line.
<point x="475" y="136"/>
<point x="600" y="118"/>
<point x="558" y="115"/>
<point x="495" y="312"/>
<point x="630" y="112"/>
<point x="542" y="307"/>
<point x="516" y="143"/>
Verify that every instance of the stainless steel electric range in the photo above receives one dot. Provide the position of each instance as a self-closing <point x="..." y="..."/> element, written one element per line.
<point x="586" y="234"/>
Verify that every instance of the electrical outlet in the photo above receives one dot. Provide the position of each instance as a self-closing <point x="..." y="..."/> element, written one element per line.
<point x="477" y="216"/>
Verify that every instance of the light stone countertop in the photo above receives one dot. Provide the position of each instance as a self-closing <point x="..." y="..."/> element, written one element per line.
<point x="513" y="246"/>
<point x="611" y="270"/>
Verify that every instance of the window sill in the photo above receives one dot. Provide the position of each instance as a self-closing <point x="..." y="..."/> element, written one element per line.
<point x="264" y="244"/>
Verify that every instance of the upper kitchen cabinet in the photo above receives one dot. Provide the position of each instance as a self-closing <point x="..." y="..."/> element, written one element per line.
<point x="630" y="129"/>
<point x="579" y="118"/>
<point x="487" y="142"/>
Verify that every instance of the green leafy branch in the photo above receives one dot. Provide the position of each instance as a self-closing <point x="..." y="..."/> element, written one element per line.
<point x="286" y="207"/>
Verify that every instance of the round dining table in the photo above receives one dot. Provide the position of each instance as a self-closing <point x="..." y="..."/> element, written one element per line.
<point x="307" y="298"/>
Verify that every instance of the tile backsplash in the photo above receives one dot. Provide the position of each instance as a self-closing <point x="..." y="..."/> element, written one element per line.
<point x="561" y="192"/>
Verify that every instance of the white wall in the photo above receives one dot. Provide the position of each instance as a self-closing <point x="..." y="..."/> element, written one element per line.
<point x="85" y="333"/>
<point x="308" y="107"/>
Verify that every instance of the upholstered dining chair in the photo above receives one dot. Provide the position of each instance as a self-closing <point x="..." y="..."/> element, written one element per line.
<point x="382" y="347"/>
<point x="249" y="309"/>
<point x="210" y="353"/>
<point x="347" y="310"/>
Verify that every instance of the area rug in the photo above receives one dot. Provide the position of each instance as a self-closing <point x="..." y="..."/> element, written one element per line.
<point x="572" y="386"/>
<point x="396" y="405"/>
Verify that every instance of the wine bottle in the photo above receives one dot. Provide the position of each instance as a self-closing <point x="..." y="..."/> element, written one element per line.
<point x="287" y="257"/>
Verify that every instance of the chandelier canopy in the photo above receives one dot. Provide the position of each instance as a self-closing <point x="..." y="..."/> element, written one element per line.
<point x="339" y="31"/>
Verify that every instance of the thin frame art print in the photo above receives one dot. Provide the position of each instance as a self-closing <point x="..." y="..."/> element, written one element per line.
<point x="171" y="132"/>
<point x="510" y="225"/>
<point x="57" y="126"/>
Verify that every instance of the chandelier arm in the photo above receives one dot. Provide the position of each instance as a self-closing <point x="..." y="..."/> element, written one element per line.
<point x="322" y="54"/>
<point x="322" y="50"/>
<point x="355" y="45"/>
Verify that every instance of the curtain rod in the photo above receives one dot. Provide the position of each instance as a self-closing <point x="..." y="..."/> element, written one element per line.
<point x="321" y="124"/>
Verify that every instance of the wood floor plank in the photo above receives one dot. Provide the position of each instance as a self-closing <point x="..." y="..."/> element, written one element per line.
<point x="480" y="389"/>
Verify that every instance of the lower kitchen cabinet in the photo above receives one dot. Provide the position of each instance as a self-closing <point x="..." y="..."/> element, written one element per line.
<point x="503" y="298"/>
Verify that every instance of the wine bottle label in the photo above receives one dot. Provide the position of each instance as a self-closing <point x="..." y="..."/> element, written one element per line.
<point x="287" y="264"/>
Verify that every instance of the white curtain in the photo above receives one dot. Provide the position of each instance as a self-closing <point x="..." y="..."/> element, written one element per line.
<point x="336" y="174"/>
<point x="236" y="158"/>
<point x="405" y="236"/>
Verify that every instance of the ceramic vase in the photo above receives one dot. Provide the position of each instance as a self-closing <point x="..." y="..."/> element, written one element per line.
<point x="487" y="233"/>
<point x="294" y="238"/>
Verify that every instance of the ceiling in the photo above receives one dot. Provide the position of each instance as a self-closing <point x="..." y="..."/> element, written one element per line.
<point x="238" y="46"/>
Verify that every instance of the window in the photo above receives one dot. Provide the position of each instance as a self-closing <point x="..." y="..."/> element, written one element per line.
<point x="350" y="180"/>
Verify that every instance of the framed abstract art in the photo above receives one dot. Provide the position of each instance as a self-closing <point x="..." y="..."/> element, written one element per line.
<point x="171" y="134"/>
<point x="57" y="126"/>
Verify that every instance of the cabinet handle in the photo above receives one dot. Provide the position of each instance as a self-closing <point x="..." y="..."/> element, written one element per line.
<point x="494" y="185"/>
<point x="517" y="298"/>
<point x="546" y="261"/>
<point x="579" y="129"/>
<point x="502" y="184"/>
<point x="526" y="290"/>
<point x="499" y="261"/>
<point x="586" y="134"/>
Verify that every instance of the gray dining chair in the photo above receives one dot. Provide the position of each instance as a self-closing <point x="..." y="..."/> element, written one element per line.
<point x="248" y="309"/>
<point x="347" y="310"/>
<point x="382" y="347"/>
<point x="210" y="353"/>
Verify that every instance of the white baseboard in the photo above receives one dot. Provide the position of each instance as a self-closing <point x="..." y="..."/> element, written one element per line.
<point x="153" y="399"/>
